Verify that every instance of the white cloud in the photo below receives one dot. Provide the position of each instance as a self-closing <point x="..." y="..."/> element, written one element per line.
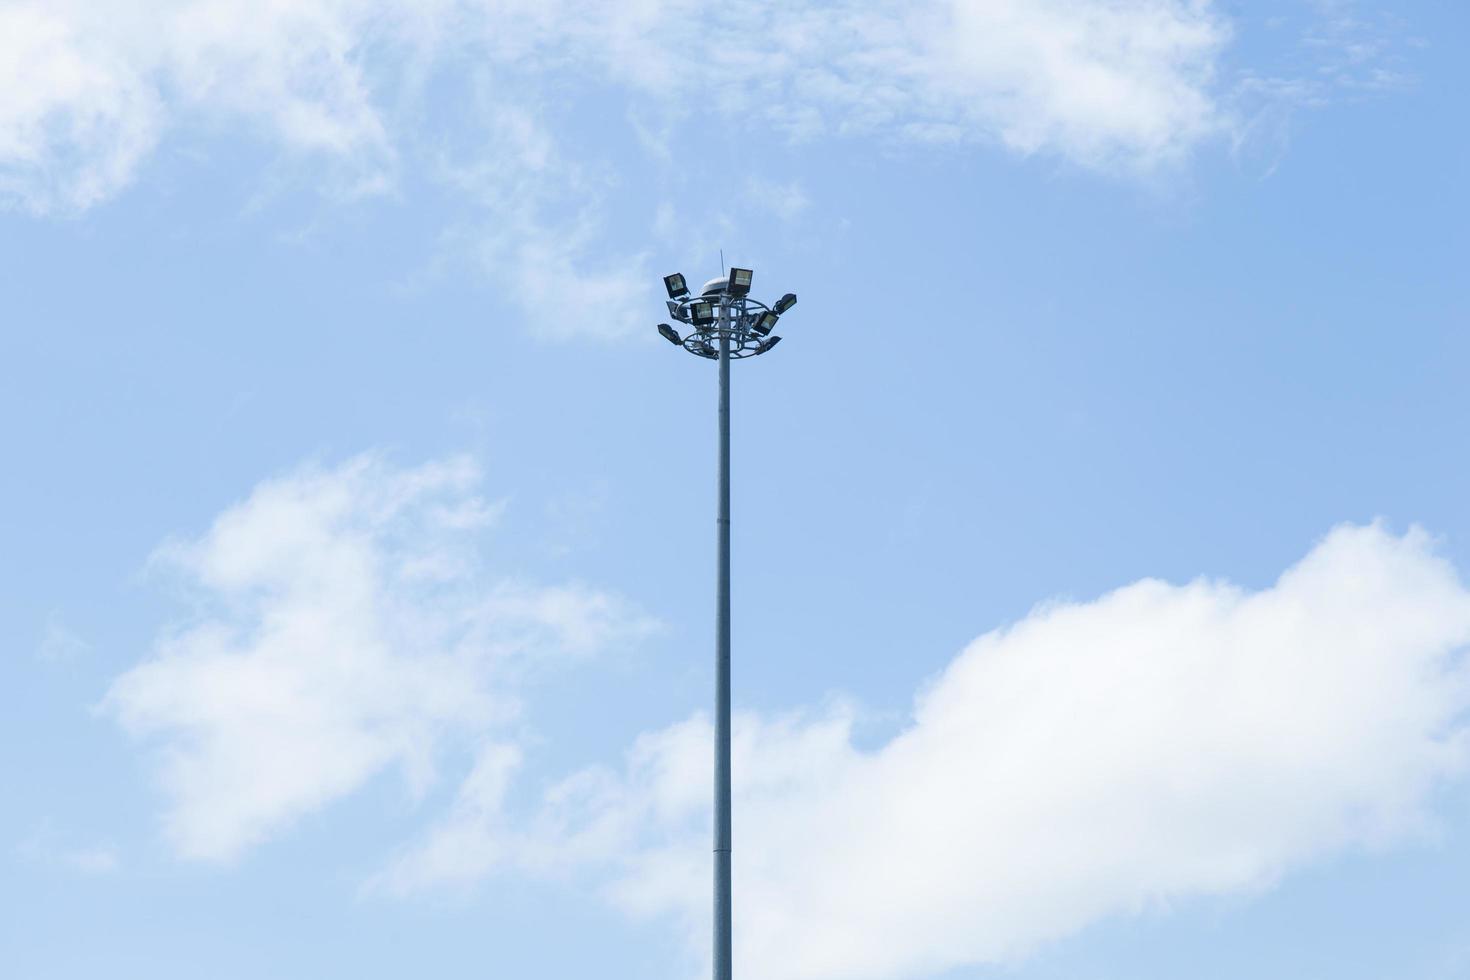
<point x="783" y="200"/>
<point x="45" y="847"/>
<point x="1097" y="758"/>
<point x="1119" y="83"/>
<point x="1100" y="83"/>
<point x="463" y="848"/>
<point x="538" y="230"/>
<point x="92" y="860"/>
<point x="60" y="644"/>
<point x="76" y="116"/>
<point x="343" y="626"/>
<point x="90" y="89"/>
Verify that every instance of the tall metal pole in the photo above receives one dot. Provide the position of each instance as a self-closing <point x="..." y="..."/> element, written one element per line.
<point x="723" y="969"/>
<point x="743" y="328"/>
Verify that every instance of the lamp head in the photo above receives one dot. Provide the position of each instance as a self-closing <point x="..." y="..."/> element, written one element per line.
<point x="739" y="282"/>
<point x="701" y="312"/>
<point x="676" y="286"/>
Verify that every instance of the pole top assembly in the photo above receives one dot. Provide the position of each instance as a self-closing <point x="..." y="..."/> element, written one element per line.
<point x="723" y="310"/>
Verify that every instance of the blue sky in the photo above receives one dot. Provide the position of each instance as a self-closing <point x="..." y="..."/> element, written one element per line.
<point x="1099" y="525"/>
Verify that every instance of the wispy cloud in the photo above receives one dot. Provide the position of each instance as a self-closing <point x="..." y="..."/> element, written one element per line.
<point x="45" y="847"/>
<point x="1354" y="50"/>
<point x="59" y="643"/>
<point x="94" y="88"/>
<point x="784" y="200"/>
<point x="91" y="860"/>
<point x="1097" y="758"/>
<point x="536" y="228"/>
<point x="342" y="626"/>
<point x="1338" y="51"/>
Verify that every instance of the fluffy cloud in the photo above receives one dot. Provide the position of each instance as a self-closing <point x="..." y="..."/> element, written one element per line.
<point x="76" y="116"/>
<point x="342" y="626"/>
<point x="1100" y="83"/>
<point x="1096" y="758"/>
<point x="91" y="88"/>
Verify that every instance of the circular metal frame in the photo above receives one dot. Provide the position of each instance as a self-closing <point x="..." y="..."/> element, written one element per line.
<point x="741" y="312"/>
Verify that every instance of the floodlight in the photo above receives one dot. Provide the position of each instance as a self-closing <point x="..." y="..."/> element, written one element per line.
<point x="677" y="312"/>
<point x="669" y="334"/>
<point x="767" y="344"/>
<point x="765" y="323"/>
<point x="702" y="312"/>
<point x="676" y="286"/>
<point x="740" y="281"/>
<point x="784" y="303"/>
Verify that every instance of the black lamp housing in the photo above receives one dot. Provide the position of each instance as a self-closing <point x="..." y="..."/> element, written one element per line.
<point x="739" y="282"/>
<point x="764" y="323"/>
<point x="676" y="286"/>
<point x="767" y="344"/>
<point x="702" y="312"/>
<point x="670" y="334"/>
<point x="784" y="303"/>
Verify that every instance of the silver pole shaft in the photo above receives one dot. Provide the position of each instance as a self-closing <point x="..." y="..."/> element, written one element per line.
<point x="723" y="968"/>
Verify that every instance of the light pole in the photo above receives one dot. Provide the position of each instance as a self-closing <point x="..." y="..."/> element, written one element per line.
<point x="727" y="325"/>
